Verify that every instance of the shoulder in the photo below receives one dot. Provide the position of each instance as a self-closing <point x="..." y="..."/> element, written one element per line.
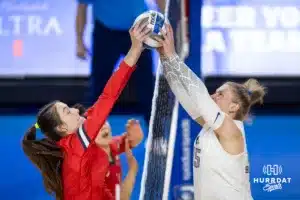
<point x="71" y="144"/>
<point x="65" y="142"/>
<point x="206" y="128"/>
<point x="239" y="124"/>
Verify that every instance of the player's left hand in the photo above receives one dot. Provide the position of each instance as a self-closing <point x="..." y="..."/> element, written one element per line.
<point x="134" y="132"/>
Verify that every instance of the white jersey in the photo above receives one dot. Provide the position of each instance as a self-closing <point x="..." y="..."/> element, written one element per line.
<point x="217" y="174"/>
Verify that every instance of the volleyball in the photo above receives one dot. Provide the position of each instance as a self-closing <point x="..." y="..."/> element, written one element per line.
<point x="156" y="22"/>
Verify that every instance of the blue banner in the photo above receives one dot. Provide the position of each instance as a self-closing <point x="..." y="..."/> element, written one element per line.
<point x="34" y="34"/>
<point x="250" y="38"/>
<point x="182" y="174"/>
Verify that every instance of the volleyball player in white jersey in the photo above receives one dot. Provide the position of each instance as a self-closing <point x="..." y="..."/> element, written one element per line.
<point x="220" y="154"/>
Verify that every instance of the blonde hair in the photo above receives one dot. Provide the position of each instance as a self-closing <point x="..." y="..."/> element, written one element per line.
<point x="256" y="90"/>
<point x="248" y="94"/>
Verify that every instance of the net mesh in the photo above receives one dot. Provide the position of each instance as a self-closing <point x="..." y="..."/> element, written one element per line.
<point x="163" y="103"/>
<point x="160" y="137"/>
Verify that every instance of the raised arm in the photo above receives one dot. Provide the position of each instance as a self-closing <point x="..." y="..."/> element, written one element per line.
<point x="98" y="113"/>
<point x="191" y="91"/>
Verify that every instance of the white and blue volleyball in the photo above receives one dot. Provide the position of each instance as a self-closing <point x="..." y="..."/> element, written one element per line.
<point x="156" y="22"/>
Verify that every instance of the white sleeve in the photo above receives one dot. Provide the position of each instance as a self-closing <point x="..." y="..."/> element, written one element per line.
<point x="191" y="92"/>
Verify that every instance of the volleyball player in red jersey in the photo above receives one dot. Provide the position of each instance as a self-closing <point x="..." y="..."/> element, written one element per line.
<point x="134" y="134"/>
<point x="117" y="145"/>
<point x="72" y="167"/>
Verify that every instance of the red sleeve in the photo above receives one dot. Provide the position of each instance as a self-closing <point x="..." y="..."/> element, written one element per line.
<point x="119" y="141"/>
<point x="98" y="113"/>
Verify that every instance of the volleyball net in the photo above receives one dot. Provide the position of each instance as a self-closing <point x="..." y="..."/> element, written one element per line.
<point x="157" y="172"/>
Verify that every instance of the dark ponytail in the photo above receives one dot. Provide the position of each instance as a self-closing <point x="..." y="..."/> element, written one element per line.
<point x="44" y="153"/>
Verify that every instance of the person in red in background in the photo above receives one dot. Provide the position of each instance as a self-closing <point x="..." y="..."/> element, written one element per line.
<point x="66" y="157"/>
<point x="134" y="134"/>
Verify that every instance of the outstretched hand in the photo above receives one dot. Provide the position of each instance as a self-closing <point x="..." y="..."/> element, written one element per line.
<point x="167" y="42"/>
<point x="134" y="131"/>
<point x="138" y="33"/>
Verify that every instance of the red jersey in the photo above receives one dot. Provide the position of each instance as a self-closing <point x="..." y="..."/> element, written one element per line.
<point x="85" y="165"/>
<point x="114" y="174"/>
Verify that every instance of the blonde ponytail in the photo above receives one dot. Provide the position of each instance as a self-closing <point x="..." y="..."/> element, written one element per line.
<point x="255" y="90"/>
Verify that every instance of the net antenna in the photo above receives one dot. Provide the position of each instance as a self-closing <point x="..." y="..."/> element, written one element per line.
<point x="182" y="47"/>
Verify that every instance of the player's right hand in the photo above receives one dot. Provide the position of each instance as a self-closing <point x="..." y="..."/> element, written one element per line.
<point x="81" y="51"/>
<point x="132" y="162"/>
<point x="138" y="32"/>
